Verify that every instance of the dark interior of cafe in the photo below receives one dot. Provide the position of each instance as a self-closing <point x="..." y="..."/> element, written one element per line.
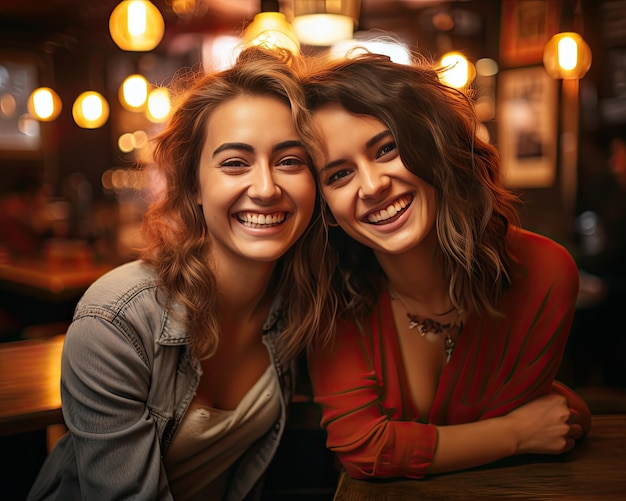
<point x="73" y="194"/>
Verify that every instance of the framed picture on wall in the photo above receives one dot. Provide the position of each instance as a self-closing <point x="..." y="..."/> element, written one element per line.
<point x="526" y="26"/>
<point x="527" y="127"/>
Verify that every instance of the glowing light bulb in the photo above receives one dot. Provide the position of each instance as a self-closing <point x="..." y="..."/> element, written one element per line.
<point x="44" y="104"/>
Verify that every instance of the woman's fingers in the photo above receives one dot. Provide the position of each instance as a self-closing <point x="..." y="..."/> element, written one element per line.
<point x="575" y="431"/>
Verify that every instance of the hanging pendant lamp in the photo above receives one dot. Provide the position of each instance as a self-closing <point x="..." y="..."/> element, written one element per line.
<point x="136" y="25"/>
<point x="325" y="22"/>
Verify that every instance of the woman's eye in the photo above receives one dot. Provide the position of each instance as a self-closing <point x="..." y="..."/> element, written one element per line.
<point x="337" y="175"/>
<point x="233" y="163"/>
<point x="386" y="150"/>
<point x="292" y="161"/>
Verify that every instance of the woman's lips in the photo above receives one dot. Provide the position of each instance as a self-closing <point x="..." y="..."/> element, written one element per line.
<point x="392" y="212"/>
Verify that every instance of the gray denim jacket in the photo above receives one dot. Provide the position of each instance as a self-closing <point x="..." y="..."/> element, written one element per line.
<point x="127" y="380"/>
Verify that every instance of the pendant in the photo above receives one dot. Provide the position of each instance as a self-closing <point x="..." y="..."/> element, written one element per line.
<point x="450" y="344"/>
<point x="431" y="327"/>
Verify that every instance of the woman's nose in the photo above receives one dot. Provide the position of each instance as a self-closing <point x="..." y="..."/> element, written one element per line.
<point x="373" y="181"/>
<point x="263" y="185"/>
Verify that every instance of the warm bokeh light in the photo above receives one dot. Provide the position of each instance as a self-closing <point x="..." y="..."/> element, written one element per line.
<point x="90" y="110"/>
<point x="323" y="29"/>
<point x="271" y="29"/>
<point x="397" y="52"/>
<point x="568" y="53"/>
<point x="458" y="71"/>
<point x="184" y="8"/>
<point x="140" y="139"/>
<point x="44" y="104"/>
<point x="220" y="52"/>
<point x="136" y="25"/>
<point x="8" y="106"/>
<point x="323" y="23"/>
<point x="487" y="67"/>
<point x="28" y="126"/>
<point x="131" y="141"/>
<point x="485" y="96"/>
<point x="159" y="105"/>
<point x="567" y="56"/>
<point x="125" y="142"/>
<point x="120" y="180"/>
<point x="133" y="93"/>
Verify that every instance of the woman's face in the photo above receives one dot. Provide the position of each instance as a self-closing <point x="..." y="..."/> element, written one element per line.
<point x="372" y="195"/>
<point x="256" y="189"/>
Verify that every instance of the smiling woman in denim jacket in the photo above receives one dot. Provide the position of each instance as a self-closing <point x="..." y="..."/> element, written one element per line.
<point x="177" y="368"/>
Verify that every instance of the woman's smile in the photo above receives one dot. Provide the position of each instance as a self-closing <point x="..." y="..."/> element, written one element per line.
<point x="392" y="212"/>
<point x="258" y="220"/>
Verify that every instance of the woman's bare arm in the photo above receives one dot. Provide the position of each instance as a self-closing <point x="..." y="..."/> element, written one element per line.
<point x="541" y="426"/>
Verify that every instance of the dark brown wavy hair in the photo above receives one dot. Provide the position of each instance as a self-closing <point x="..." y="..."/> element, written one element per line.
<point x="177" y="242"/>
<point x="435" y="129"/>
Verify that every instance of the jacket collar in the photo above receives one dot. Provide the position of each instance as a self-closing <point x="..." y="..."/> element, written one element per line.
<point x="174" y="333"/>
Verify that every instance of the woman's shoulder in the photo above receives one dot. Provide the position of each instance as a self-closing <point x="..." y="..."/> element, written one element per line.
<point x="542" y="259"/>
<point x="127" y="275"/>
<point x="528" y="245"/>
<point x="120" y="284"/>
<point x="126" y="297"/>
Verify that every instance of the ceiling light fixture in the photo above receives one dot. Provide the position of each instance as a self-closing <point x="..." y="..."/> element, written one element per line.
<point x="136" y="25"/>
<point x="44" y="104"/>
<point x="271" y="30"/>
<point x="90" y="110"/>
<point x="567" y="56"/>
<point x="325" y="22"/>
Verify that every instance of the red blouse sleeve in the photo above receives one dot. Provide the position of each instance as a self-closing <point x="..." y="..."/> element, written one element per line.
<point x="369" y="439"/>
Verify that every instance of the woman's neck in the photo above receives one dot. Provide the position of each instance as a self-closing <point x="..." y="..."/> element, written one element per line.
<point x="243" y="289"/>
<point x="419" y="276"/>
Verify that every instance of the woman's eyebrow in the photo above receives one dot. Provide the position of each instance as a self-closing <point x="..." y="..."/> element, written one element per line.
<point x="370" y="142"/>
<point x="378" y="137"/>
<point x="292" y="143"/>
<point x="233" y="146"/>
<point x="332" y="164"/>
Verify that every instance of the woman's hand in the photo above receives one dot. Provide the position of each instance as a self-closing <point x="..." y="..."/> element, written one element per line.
<point x="545" y="425"/>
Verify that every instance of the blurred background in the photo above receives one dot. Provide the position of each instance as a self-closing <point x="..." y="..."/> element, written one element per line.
<point x="548" y="78"/>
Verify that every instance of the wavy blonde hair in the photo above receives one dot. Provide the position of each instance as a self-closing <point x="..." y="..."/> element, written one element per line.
<point x="178" y="244"/>
<point x="435" y="129"/>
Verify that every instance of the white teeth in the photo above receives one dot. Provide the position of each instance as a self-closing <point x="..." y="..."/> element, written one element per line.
<point x="391" y="211"/>
<point x="256" y="220"/>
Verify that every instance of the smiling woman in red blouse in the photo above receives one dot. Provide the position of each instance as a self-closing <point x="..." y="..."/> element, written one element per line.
<point x="454" y="318"/>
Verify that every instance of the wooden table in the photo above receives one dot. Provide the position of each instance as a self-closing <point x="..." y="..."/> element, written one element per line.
<point x="30" y="374"/>
<point x="594" y="470"/>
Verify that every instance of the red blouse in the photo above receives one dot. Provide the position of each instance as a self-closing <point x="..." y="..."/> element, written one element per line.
<point x="497" y="365"/>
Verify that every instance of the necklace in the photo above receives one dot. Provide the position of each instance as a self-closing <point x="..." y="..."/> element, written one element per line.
<point x="429" y="327"/>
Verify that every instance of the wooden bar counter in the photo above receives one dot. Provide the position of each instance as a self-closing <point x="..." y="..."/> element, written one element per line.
<point x="50" y="281"/>
<point x="30" y="375"/>
<point x="594" y="470"/>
